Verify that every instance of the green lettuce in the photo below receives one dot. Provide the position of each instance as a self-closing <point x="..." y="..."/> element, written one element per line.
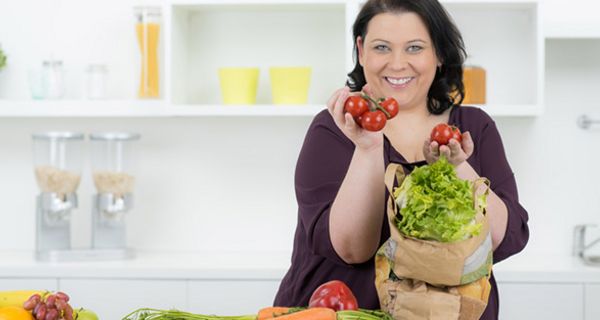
<point x="437" y="205"/>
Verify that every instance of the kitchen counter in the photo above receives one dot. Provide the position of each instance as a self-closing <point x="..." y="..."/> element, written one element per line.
<point x="261" y="266"/>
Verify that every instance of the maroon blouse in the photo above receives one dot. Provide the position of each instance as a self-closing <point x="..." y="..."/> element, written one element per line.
<point x="321" y="168"/>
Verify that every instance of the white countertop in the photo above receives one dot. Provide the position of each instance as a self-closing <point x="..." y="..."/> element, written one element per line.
<point x="260" y="266"/>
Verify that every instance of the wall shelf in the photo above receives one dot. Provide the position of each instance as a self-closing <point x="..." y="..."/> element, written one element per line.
<point x="572" y="30"/>
<point x="160" y="109"/>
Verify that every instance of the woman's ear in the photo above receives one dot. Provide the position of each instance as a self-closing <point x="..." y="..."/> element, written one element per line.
<point x="359" y="46"/>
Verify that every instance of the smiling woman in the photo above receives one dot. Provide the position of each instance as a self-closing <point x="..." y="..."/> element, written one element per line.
<point x="409" y="50"/>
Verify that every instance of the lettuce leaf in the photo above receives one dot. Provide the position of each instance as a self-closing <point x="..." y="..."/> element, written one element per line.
<point x="437" y="205"/>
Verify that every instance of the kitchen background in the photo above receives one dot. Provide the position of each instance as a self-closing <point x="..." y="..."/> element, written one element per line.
<point x="214" y="182"/>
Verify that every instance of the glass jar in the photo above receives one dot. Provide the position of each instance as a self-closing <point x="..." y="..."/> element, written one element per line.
<point x="53" y="79"/>
<point x="57" y="159"/>
<point x="114" y="162"/>
<point x="147" y="28"/>
<point x="96" y="81"/>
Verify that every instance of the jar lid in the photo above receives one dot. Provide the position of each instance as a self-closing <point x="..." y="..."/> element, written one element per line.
<point x="58" y="135"/>
<point x="146" y="11"/>
<point x="96" y="67"/>
<point x="114" y="136"/>
<point x="54" y="63"/>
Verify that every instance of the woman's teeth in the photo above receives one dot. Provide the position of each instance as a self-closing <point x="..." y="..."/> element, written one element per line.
<point x="398" y="81"/>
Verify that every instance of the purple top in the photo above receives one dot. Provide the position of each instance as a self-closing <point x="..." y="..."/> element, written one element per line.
<point x="321" y="168"/>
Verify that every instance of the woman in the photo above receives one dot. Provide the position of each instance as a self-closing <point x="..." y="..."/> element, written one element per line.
<point x="412" y="51"/>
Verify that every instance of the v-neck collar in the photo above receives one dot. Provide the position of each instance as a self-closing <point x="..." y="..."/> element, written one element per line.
<point x="396" y="157"/>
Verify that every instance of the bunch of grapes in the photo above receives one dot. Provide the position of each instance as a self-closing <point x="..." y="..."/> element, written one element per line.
<point x="50" y="306"/>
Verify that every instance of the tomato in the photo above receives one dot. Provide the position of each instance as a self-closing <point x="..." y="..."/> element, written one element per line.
<point x="442" y="133"/>
<point x="356" y="106"/>
<point x="373" y="120"/>
<point x="333" y="295"/>
<point x="391" y="106"/>
<point x="456" y="135"/>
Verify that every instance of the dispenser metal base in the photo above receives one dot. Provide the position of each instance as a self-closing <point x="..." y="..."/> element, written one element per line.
<point x="85" y="255"/>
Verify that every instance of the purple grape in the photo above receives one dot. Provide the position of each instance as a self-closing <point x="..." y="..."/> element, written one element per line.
<point x="41" y="313"/>
<point x="60" y="304"/>
<point x="52" y="314"/>
<point x="29" y="304"/>
<point x="63" y="296"/>
<point x="68" y="315"/>
<point x="37" y="308"/>
<point x="50" y="300"/>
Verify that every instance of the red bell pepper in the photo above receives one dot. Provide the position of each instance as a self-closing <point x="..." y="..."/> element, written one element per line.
<point x="333" y="295"/>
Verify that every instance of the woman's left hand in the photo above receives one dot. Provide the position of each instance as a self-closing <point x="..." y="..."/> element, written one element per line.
<point x="455" y="152"/>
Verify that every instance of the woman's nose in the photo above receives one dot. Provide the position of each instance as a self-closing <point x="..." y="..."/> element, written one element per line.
<point x="399" y="61"/>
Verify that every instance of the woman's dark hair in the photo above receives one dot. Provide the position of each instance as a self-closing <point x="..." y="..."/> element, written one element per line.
<point x="447" y="88"/>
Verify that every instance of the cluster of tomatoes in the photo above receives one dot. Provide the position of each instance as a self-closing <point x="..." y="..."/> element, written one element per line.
<point x="370" y="114"/>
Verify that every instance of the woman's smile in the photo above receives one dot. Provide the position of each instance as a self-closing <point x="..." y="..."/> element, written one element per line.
<point x="398" y="82"/>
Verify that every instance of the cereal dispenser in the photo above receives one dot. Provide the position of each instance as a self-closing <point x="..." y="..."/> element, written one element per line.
<point x="113" y="164"/>
<point x="57" y="158"/>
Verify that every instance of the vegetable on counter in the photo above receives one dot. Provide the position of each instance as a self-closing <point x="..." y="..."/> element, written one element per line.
<point x="295" y="313"/>
<point x="333" y="295"/>
<point x="332" y="300"/>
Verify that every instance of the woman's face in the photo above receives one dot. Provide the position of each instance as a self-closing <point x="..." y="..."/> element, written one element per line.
<point x="398" y="58"/>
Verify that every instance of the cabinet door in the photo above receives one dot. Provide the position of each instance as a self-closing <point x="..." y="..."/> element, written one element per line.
<point x="231" y="297"/>
<point x="592" y="299"/>
<point x="28" y="284"/>
<point x="113" y="299"/>
<point x="541" y="301"/>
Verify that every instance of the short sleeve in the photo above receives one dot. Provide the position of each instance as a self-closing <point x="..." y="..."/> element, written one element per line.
<point x="495" y="167"/>
<point x="322" y="165"/>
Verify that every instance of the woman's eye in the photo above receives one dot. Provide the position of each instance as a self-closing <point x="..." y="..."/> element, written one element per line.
<point x="415" y="48"/>
<point x="381" y="47"/>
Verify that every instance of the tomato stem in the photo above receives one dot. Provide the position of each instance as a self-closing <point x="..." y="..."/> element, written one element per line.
<point x="387" y="114"/>
<point x="377" y="105"/>
<point x="366" y="96"/>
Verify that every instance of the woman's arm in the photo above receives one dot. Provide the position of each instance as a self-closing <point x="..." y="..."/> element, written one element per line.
<point x="358" y="208"/>
<point x="496" y="209"/>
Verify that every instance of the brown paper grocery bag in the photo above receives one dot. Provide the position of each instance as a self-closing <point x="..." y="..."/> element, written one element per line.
<point x="437" y="263"/>
<point x="407" y="299"/>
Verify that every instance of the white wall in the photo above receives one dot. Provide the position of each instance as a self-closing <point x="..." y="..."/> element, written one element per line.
<point x="227" y="183"/>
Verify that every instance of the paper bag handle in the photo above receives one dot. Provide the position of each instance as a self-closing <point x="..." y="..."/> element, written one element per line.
<point x="476" y="184"/>
<point x="393" y="170"/>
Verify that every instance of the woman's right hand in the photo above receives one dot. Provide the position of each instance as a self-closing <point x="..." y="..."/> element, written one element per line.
<point x="361" y="138"/>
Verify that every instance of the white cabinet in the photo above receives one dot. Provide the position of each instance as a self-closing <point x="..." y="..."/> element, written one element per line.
<point x="231" y="297"/>
<point x="556" y="301"/>
<point x="207" y="35"/>
<point x="200" y="36"/>
<point x="113" y="299"/>
<point x="592" y="301"/>
<point x="50" y="284"/>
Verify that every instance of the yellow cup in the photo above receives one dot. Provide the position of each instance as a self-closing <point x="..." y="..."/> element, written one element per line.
<point x="238" y="85"/>
<point x="289" y="85"/>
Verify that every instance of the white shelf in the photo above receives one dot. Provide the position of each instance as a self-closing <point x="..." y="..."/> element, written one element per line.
<point x="512" y="110"/>
<point x="257" y="34"/>
<point x="253" y="2"/>
<point x="82" y="108"/>
<point x="571" y="30"/>
<point x="143" y="109"/>
<point x="160" y="109"/>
